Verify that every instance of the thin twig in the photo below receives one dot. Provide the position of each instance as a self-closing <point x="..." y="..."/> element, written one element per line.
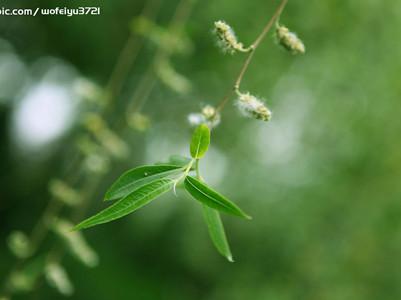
<point x="248" y="60"/>
<point x="268" y="26"/>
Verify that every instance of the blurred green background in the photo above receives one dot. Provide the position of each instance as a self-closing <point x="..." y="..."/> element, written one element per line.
<point x="321" y="180"/>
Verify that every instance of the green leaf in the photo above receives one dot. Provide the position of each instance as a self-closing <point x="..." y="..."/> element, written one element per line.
<point x="216" y="231"/>
<point x="130" y="203"/>
<point x="135" y="178"/>
<point x="178" y="160"/>
<point x="211" y="198"/>
<point x="200" y="141"/>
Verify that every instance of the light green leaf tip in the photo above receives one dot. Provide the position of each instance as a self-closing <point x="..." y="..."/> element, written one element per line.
<point x="129" y="204"/>
<point x="211" y="198"/>
<point x="216" y="232"/>
<point x="200" y="141"/>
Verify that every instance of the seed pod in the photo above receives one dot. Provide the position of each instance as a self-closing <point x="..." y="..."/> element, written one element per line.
<point x="253" y="107"/>
<point x="289" y="40"/>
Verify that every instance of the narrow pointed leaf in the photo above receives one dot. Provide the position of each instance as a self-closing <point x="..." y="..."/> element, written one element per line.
<point x="216" y="232"/>
<point x="130" y="203"/>
<point x="211" y="198"/>
<point x="200" y="141"/>
<point x="135" y="178"/>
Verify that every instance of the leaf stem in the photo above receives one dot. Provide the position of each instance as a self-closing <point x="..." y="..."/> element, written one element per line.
<point x="185" y="174"/>
<point x="197" y="169"/>
<point x="248" y="60"/>
<point x="189" y="166"/>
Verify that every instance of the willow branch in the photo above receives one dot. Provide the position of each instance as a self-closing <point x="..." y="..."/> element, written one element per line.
<point x="253" y="48"/>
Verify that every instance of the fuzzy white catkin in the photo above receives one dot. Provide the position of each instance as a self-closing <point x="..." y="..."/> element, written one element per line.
<point x="208" y="116"/>
<point x="289" y="40"/>
<point x="196" y="119"/>
<point x="253" y="107"/>
<point x="227" y="39"/>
